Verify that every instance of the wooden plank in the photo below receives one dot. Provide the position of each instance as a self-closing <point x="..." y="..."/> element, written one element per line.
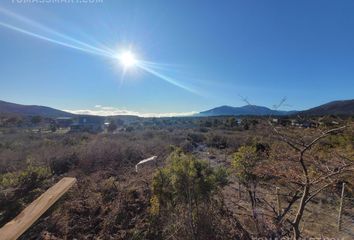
<point x="15" y="228"/>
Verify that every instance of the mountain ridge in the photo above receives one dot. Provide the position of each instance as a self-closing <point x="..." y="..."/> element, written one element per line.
<point x="338" y="107"/>
<point x="8" y="108"/>
<point x="253" y="110"/>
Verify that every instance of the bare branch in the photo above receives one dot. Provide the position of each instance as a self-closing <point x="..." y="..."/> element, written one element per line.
<point x="269" y="205"/>
<point x="314" y="193"/>
<point x="294" y="198"/>
<point x="334" y="173"/>
<point x="284" y="139"/>
<point x="324" y="134"/>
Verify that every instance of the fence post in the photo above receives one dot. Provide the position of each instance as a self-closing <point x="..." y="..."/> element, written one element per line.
<point x="239" y="189"/>
<point x="278" y="200"/>
<point x="341" y="208"/>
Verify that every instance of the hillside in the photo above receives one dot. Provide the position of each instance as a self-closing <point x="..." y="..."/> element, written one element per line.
<point x="7" y="108"/>
<point x="343" y="107"/>
<point x="245" y="110"/>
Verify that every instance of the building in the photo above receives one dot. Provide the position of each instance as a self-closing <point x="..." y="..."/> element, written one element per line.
<point x="63" y="122"/>
<point x="92" y="124"/>
<point x="303" y="123"/>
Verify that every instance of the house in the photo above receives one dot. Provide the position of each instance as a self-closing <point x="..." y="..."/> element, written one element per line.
<point x="63" y="122"/>
<point x="304" y="123"/>
<point x="87" y="123"/>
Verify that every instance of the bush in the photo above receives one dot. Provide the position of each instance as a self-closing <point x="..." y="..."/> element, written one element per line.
<point x="217" y="141"/>
<point x="185" y="189"/>
<point x="62" y="164"/>
<point x="32" y="177"/>
<point x="112" y="126"/>
<point x="23" y="188"/>
<point x="187" y="175"/>
<point x="26" y="180"/>
<point x="195" y="138"/>
<point x="187" y="146"/>
<point x="245" y="159"/>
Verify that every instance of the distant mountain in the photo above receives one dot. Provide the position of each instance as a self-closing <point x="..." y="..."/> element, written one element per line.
<point x="245" y="110"/>
<point x="7" y="108"/>
<point x="343" y="107"/>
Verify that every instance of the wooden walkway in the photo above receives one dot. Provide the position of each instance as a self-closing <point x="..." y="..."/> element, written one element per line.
<point x="14" y="229"/>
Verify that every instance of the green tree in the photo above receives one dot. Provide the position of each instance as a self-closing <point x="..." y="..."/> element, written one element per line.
<point x="53" y="128"/>
<point x="112" y="126"/>
<point x="36" y="119"/>
<point x="244" y="162"/>
<point x="231" y="122"/>
<point x="216" y="123"/>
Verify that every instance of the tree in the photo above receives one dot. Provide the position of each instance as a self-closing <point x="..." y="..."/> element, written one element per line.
<point x="119" y="122"/>
<point x="13" y="121"/>
<point x="208" y="123"/>
<point x="311" y="183"/>
<point x="244" y="162"/>
<point x="245" y="124"/>
<point x="216" y="123"/>
<point x="53" y="128"/>
<point x="231" y="122"/>
<point x="112" y="126"/>
<point x="36" y="120"/>
<point x="217" y="141"/>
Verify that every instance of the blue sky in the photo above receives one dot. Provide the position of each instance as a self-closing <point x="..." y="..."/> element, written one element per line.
<point x="214" y="53"/>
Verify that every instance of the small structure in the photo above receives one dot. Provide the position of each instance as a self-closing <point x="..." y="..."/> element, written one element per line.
<point x="87" y="124"/>
<point x="294" y="122"/>
<point x="303" y="123"/>
<point x="150" y="159"/>
<point x="308" y="124"/>
<point x="64" y="122"/>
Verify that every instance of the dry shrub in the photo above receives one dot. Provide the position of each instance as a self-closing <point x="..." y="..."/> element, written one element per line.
<point x="99" y="154"/>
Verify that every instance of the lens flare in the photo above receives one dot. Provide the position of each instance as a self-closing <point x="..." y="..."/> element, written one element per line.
<point x="166" y="78"/>
<point x="127" y="59"/>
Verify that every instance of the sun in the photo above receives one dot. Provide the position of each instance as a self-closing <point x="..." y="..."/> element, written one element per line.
<point x="127" y="59"/>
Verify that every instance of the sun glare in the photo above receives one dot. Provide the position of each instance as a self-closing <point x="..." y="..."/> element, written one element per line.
<point x="127" y="59"/>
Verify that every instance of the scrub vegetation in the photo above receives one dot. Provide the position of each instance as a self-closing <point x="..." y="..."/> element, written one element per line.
<point x="214" y="178"/>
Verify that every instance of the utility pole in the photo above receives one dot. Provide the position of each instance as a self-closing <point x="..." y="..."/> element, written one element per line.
<point x="341" y="208"/>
